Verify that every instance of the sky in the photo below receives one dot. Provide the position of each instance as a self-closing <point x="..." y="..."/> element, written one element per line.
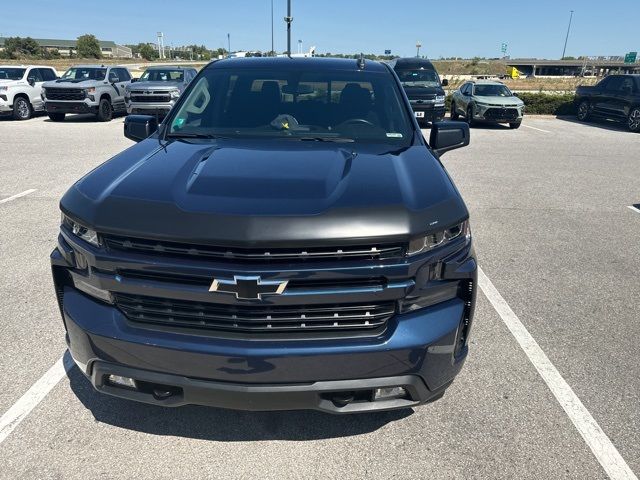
<point x="464" y="28"/>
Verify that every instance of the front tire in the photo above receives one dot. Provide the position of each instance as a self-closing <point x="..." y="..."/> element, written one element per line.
<point x="57" y="117"/>
<point x="469" y="116"/>
<point x="583" y="111"/>
<point x="633" y="121"/>
<point x="105" y="112"/>
<point x="22" y="109"/>
<point x="454" y="113"/>
<point x="515" y="125"/>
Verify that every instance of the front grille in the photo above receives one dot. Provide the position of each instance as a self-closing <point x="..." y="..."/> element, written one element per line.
<point x="501" y="113"/>
<point x="422" y="96"/>
<point x="152" y="97"/>
<point x="256" y="319"/>
<point x="262" y="255"/>
<point x="65" y="94"/>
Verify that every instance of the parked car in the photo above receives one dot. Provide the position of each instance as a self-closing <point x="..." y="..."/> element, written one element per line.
<point x="20" y="88"/>
<point x="96" y="89"/>
<point x="271" y="246"/>
<point x="422" y="85"/>
<point x="616" y="97"/>
<point x="158" y="89"/>
<point x="487" y="101"/>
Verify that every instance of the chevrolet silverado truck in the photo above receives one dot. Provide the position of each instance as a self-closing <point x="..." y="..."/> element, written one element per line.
<point x="158" y="89"/>
<point x="96" y="89"/>
<point x="285" y="239"/>
<point x="616" y="97"/>
<point x="20" y="89"/>
<point x="422" y="85"/>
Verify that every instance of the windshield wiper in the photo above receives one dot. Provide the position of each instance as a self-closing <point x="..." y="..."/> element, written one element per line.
<point x="325" y="139"/>
<point x="193" y="135"/>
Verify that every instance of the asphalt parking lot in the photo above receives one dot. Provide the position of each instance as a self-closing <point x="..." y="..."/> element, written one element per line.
<point x="554" y="236"/>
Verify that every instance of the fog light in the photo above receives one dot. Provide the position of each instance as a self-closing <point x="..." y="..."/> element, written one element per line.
<point x="389" y="392"/>
<point x="122" y="381"/>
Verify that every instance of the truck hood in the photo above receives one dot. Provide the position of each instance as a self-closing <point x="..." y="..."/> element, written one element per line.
<point x="72" y="82"/>
<point x="267" y="193"/>
<point x="154" y="85"/>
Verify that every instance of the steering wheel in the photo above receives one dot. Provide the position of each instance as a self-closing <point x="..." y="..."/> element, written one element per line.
<point x="357" y="121"/>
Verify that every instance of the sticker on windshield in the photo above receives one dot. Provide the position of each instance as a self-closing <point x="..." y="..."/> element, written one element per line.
<point x="394" y="135"/>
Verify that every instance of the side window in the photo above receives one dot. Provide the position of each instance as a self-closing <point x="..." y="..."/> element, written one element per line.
<point x="122" y="74"/>
<point x="47" y="74"/>
<point x="614" y="84"/>
<point x="627" y="85"/>
<point x="113" y="74"/>
<point x="35" y="74"/>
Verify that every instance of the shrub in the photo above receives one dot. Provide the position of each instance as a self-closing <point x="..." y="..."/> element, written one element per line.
<point x="541" y="103"/>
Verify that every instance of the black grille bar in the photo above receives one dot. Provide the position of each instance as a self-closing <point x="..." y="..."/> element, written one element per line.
<point x="65" y="94"/>
<point x="258" y="319"/>
<point x="222" y="253"/>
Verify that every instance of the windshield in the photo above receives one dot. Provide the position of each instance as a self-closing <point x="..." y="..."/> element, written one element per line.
<point x="85" y="73"/>
<point x="492" y="91"/>
<point x="11" y="73"/>
<point x="329" y="105"/>
<point x="163" y="75"/>
<point x="418" y="78"/>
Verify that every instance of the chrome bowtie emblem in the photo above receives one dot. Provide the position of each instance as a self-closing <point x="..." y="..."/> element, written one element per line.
<point x="248" y="288"/>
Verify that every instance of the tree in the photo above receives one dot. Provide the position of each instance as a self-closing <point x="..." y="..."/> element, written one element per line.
<point x="146" y="51"/>
<point x="88" y="47"/>
<point x="17" y="47"/>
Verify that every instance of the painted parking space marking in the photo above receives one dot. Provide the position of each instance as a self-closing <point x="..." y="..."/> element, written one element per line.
<point x="536" y="128"/>
<point x="32" y="397"/>
<point x="635" y="207"/>
<point x="599" y="443"/>
<point x="18" y="195"/>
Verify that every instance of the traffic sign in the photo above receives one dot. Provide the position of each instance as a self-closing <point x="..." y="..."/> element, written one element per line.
<point x="387" y="52"/>
<point x="631" y="57"/>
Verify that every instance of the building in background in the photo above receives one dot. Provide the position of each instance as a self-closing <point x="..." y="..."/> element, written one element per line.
<point x="67" y="48"/>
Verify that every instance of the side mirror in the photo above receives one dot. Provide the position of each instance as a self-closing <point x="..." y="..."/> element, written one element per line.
<point x="445" y="82"/>
<point x="134" y="80"/>
<point x="447" y="136"/>
<point x="114" y="79"/>
<point x="139" y="127"/>
<point x="32" y="81"/>
<point x="515" y="94"/>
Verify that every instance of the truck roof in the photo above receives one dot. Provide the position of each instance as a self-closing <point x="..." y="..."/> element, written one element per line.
<point x="297" y="63"/>
<point x="411" y="63"/>
<point x="175" y="67"/>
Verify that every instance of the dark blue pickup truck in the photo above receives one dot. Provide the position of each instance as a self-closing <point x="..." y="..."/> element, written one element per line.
<point x="284" y="239"/>
<point x="616" y="97"/>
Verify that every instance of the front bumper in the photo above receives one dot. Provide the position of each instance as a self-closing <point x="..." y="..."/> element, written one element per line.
<point x="497" y="114"/>
<point x="69" y="107"/>
<point x="140" y="108"/>
<point x="5" y="105"/>
<point x="428" y="112"/>
<point x="421" y="351"/>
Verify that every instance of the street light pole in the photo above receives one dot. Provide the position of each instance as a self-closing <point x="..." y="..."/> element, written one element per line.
<point x="288" y="19"/>
<point x="567" y="37"/>
<point x="273" y="52"/>
<point x="418" y="45"/>
<point x="229" y="43"/>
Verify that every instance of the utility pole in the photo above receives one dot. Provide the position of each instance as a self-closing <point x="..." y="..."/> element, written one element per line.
<point x="229" y="43"/>
<point x="273" y="52"/>
<point x="299" y="46"/>
<point x="288" y="19"/>
<point x="567" y="37"/>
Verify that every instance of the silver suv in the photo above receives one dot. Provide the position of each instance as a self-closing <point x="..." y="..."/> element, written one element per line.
<point x="20" y="88"/>
<point x="158" y="89"/>
<point x="96" y="89"/>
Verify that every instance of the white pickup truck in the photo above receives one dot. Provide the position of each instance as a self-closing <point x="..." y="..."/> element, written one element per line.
<point x="20" y="88"/>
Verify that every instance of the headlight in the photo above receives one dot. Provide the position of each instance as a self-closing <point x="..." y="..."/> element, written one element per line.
<point x="175" y="93"/>
<point x="437" y="239"/>
<point x="43" y="92"/>
<point x="90" y="91"/>
<point x="439" y="99"/>
<point x="80" y="231"/>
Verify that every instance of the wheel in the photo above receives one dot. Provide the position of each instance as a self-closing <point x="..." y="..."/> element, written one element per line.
<point x="22" y="109"/>
<point x="105" y="112"/>
<point x="634" y="120"/>
<point x="56" y="117"/>
<point x="515" y="125"/>
<point x="583" y="111"/>
<point x="469" y="116"/>
<point x="454" y="113"/>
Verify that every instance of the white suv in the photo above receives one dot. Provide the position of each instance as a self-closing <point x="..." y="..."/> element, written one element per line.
<point x="20" y="88"/>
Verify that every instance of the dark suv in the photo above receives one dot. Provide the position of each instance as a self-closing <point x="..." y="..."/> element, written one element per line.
<point x="284" y="239"/>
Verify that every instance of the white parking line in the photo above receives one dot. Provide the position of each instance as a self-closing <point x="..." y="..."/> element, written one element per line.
<point x="536" y="128"/>
<point x="608" y="456"/>
<point x="38" y="391"/>
<point x="634" y="208"/>
<point x="18" y="195"/>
